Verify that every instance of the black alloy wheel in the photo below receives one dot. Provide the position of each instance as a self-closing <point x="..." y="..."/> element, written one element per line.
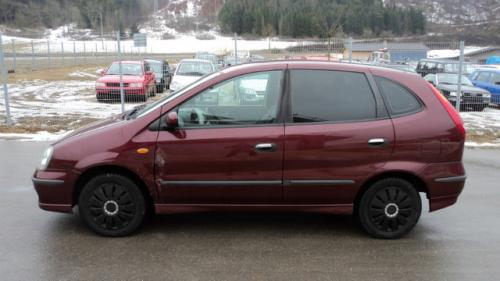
<point x="390" y="208"/>
<point x="112" y="205"/>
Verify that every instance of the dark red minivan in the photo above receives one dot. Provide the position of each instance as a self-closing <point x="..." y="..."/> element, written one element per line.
<point x="289" y="136"/>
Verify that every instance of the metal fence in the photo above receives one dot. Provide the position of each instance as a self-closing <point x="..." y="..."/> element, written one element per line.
<point x="57" y="85"/>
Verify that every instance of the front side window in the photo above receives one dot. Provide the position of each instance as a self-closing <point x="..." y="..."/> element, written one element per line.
<point x="398" y="99"/>
<point x="331" y="96"/>
<point x="245" y="100"/>
<point x="483" y="76"/>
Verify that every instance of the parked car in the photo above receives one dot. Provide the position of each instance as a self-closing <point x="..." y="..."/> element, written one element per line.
<point x="402" y="67"/>
<point x="427" y="66"/>
<point x="138" y="81"/>
<point x="213" y="58"/>
<point x="473" y="98"/>
<point x="241" y="57"/>
<point x="328" y="137"/>
<point x="161" y="69"/>
<point x="488" y="79"/>
<point x="190" y="70"/>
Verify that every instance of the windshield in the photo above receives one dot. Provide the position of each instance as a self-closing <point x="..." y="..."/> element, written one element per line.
<point x="127" y="69"/>
<point x="209" y="57"/>
<point x="155" y="67"/>
<point x="453" y="67"/>
<point x="452" y="79"/>
<point x="152" y="106"/>
<point x="193" y="68"/>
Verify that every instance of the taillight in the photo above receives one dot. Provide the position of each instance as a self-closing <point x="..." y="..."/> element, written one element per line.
<point x="452" y="112"/>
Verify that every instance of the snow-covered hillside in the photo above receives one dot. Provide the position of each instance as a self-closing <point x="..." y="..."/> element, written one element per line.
<point x="455" y="12"/>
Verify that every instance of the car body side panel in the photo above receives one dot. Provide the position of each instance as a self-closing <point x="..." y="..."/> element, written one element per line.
<point x="333" y="153"/>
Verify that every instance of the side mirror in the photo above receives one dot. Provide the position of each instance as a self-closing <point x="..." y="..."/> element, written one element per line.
<point x="497" y="83"/>
<point x="172" y="120"/>
<point x="102" y="72"/>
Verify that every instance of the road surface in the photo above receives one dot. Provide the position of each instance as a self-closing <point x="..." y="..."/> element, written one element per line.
<point x="458" y="243"/>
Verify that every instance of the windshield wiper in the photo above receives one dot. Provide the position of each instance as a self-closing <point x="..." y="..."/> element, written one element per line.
<point x="133" y="112"/>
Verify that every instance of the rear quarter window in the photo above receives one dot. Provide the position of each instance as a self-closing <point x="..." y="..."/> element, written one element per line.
<point x="398" y="99"/>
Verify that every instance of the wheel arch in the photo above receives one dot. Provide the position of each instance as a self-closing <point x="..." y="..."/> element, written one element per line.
<point x="416" y="181"/>
<point x="113" y="169"/>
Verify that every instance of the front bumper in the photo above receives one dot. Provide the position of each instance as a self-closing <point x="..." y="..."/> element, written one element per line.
<point x="116" y="91"/>
<point x="55" y="190"/>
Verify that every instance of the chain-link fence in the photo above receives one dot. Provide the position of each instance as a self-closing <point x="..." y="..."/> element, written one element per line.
<point x="60" y="85"/>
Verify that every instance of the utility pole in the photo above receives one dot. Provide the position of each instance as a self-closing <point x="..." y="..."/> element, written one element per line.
<point x="155" y="6"/>
<point x="3" y="66"/>
<point x="102" y="36"/>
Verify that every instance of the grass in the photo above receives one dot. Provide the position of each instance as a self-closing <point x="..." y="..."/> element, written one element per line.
<point x="30" y="125"/>
<point x="55" y="74"/>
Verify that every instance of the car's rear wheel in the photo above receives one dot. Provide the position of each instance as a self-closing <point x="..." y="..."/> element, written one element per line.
<point x="389" y="208"/>
<point x="112" y="205"/>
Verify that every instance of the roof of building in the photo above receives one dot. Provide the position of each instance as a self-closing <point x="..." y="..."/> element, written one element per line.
<point x="482" y="51"/>
<point x="393" y="46"/>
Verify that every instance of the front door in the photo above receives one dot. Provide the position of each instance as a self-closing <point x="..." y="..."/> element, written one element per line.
<point x="228" y="147"/>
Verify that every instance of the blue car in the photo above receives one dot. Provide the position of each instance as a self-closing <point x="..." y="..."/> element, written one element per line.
<point x="488" y="79"/>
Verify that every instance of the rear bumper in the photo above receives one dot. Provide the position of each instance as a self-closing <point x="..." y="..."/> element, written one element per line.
<point x="54" y="189"/>
<point x="445" y="182"/>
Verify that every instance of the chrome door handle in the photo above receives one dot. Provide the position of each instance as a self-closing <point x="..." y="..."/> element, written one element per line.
<point x="265" y="147"/>
<point x="376" y="141"/>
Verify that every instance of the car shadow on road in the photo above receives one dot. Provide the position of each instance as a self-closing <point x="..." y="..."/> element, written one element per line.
<point x="264" y="223"/>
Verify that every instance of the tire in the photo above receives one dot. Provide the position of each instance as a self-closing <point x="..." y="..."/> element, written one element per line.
<point x="112" y="205"/>
<point x="389" y="209"/>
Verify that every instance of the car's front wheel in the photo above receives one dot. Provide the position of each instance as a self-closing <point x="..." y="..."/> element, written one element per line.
<point x="390" y="208"/>
<point x="112" y="205"/>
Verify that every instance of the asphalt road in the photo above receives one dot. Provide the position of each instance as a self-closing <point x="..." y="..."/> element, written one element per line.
<point x="458" y="243"/>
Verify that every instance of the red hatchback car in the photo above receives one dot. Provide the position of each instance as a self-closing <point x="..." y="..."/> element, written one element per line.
<point x="321" y="137"/>
<point x="138" y="82"/>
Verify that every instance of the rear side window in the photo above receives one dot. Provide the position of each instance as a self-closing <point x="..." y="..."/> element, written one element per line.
<point x="495" y="78"/>
<point x="397" y="98"/>
<point x="323" y="95"/>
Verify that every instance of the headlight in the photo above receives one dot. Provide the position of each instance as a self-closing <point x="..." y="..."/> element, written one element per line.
<point x="487" y="95"/>
<point x="46" y="158"/>
<point x="136" y="85"/>
<point x="100" y="84"/>
<point x="453" y="94"/>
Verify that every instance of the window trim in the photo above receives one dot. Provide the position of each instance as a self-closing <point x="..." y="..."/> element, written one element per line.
<point x="279" y="114"/>
<point x="392" y="116"/>
<point x="379" y="103"/>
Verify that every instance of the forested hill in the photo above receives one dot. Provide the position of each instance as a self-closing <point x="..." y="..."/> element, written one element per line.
<point x="297" y="18"/>
<point x="86" y="13"/>
<point x="294" y="18"/>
